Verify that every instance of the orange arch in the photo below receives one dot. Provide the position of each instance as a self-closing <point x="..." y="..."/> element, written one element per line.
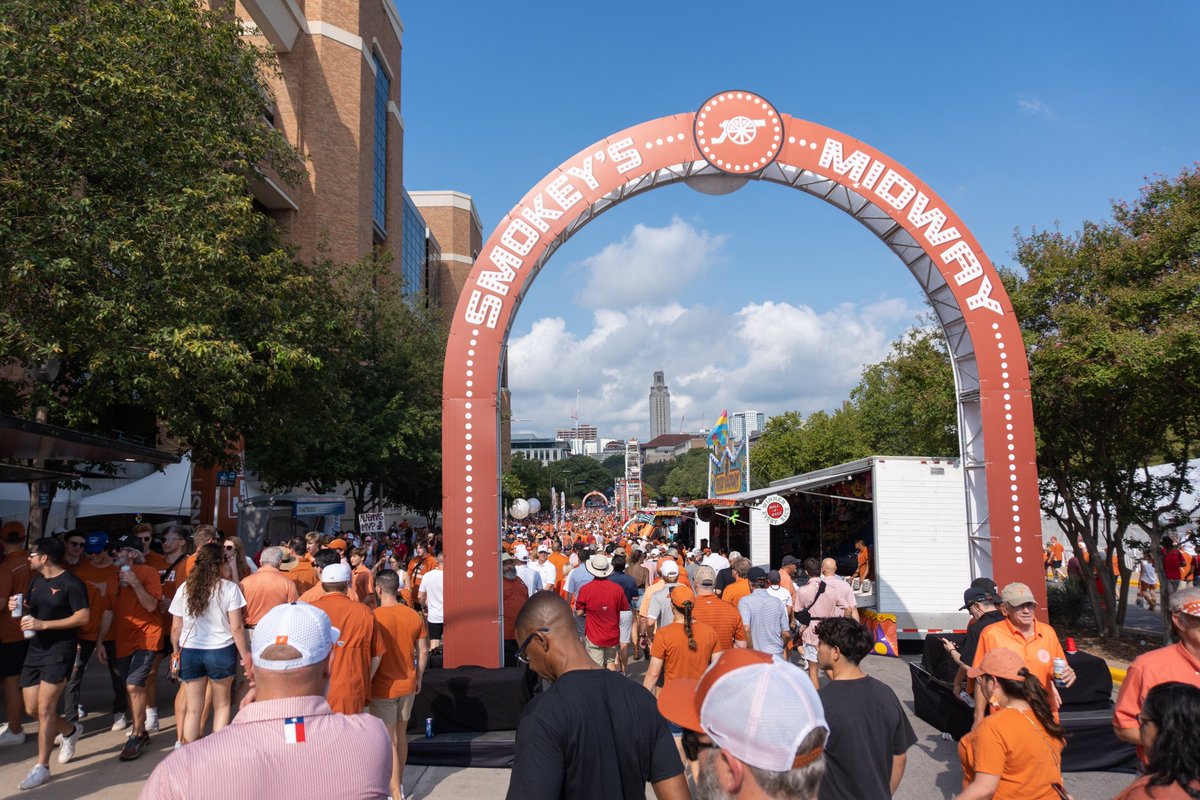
<point x="717" y="148"/>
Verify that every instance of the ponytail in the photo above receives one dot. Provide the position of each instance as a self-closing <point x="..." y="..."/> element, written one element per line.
<point x="686" y="610"/>
<point x="1031" y="690"/>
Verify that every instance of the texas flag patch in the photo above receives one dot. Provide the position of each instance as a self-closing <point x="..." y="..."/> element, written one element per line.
<point x="293" y="730"/>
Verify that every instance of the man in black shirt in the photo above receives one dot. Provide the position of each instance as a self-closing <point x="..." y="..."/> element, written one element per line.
<point x="594" y="734"/>
<point x="56" y="607"/>
<point x="981" y="601"/>
<point x="869" y="731"/>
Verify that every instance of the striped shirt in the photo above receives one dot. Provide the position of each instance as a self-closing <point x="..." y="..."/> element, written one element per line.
<point x="722" y="617"/>
<point x="294" y="747"/>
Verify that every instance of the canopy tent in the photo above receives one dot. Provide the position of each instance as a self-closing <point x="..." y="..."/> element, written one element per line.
<point x="167" y="493"/>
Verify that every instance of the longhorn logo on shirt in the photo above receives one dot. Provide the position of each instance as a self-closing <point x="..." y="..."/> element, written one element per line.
<point x="281" y="640"/>
<point x="53" y="591"/>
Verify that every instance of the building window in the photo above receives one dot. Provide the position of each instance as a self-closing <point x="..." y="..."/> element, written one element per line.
<point x="379" y="211"/>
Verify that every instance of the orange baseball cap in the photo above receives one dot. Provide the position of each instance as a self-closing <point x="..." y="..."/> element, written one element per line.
<point x="756" y="708"/>
<point x="682" y="594"/>
<point x="338" y="544"/>
<point x="1000" y="663"/>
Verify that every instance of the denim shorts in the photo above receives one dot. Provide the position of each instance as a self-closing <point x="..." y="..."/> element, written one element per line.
<point x="216" y="665"/>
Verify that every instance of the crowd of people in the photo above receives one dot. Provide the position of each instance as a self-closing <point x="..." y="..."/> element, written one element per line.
<point x="752" y="685"/>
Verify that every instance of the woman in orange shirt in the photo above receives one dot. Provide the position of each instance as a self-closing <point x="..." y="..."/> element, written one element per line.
<point x="1170" y="719"/>
<point x="1016" y="752"/>
<point x="683" y="649"/>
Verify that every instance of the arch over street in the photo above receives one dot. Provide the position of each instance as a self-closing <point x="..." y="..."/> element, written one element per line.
<point x="736" y="137"/>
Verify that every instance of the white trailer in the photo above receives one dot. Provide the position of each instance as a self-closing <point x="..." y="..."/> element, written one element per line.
<point x="922" y="556"/>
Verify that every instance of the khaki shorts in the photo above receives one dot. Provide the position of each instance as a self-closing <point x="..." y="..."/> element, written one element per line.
<point x="601" y="655"/>
<point x="392" y="710"/>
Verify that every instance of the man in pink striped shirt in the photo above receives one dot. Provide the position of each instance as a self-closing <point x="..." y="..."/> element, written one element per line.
<point x="285" y="742"/>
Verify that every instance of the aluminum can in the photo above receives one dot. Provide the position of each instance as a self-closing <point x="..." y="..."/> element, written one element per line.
<point x="1060" y="669"/>
<point x="429" y="727"/>
<point x="19" y="610"/>
<point x="28" y="634"/>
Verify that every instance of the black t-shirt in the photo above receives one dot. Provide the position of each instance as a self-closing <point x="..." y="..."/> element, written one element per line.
<point x="724" y="578"/>
<point x="56" y="598"/>
<point x="867" y="727"/>
<point x="593" y="735"/>
<point x="966" y="651"/>
<point x="628" y="584"/>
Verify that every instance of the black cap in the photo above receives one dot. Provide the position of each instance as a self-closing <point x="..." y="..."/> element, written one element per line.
<point x="988" y="585"/>
<point x="132" y="542"/>
<point x="756" y="574"/>
<point x="789" y="560"/>
<point x="972" y="596"/>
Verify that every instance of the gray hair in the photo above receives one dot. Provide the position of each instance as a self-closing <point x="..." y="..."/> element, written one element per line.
<point x="1184" y="596"/>
<point x="802" y="783"/>
<point x="272" y="556"/>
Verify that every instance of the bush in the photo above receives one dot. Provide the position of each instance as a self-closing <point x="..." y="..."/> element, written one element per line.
<point x="1067" y="604"/>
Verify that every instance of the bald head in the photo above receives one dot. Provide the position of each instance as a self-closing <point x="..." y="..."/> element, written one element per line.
<point x="828" y="567"/>
<point x="544" y="610"/>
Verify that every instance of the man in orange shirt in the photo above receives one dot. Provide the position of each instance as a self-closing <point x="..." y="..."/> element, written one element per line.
<point x="421" y="562"/>
<point x="144" y="532"/>
<point x="360" y="644"/>
<point x="99" y="574"/>
<point x="297" y="564"/>
<point x="322" y="560"/>
<point x="734" y="592"/>
<point x="364" y="579"/>
<point x="397" y="683"/>
<point x="267" y="588"/>
<point x="1176" y="662"/>
<point x="138" y="628"/>
<point x="1036" y="643"/>
<point x="202" y="535"/>
<point x="559" y="560"/>
<point x="1056" y="555"/>
<point x="14" y="579"/>
<point x="864" y="560"/>
<point x="716" y="613"/>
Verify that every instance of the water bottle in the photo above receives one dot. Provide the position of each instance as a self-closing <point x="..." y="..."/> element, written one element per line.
<point x="19" y="609"/>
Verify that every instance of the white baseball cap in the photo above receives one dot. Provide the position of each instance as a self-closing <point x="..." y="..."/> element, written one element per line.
<point x="521" y="553"/>
<point x="669" y="568"/>
<point x="299" y="625"/>
<point x="336" y="573"/>
<point x="757" y="709"/>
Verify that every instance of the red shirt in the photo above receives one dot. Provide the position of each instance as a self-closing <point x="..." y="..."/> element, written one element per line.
<point x="1173" y="564"/>
<point x="602" y="601"/>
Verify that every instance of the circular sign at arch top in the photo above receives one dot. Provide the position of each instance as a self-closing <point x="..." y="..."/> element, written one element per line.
<point x="777" y="509"/>
<point x="738" y="132"/>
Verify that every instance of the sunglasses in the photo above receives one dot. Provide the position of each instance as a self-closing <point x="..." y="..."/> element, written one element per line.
<point x="230" y="547"/>
<point x="75" y="544"/>
<point x="521" y="657"/>
<point x="692" y="745"/>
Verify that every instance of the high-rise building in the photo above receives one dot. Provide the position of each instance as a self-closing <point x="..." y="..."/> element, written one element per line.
<point x="583" y="439"/>
<point x="454" y="222"/>
<point x="744" y="423"/>
<point x="660" y="407"/>
<point x="420" y="256"/>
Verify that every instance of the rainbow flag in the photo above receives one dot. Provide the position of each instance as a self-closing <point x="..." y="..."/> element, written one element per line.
<point x="720" y="432"/>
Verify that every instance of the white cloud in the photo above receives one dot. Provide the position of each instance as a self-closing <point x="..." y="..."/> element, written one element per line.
<point x="649" y="265"/>
<point x="1033" y="106"/>
<point x="769" y="356"/>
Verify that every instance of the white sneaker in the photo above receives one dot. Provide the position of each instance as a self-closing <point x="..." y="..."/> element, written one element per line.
<point x="36" y="777"/>
<point x="10" y="739"/>
<point x="57" y="739"/>
<point x="151" y="720"/>
<point x="178" y="744"/>
<point x="82" y="711"/>
<point x="120" y="721"/>
<point x="68" y="744"/>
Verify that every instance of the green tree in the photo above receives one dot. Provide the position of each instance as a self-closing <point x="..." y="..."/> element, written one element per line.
<point x="370" y="417"/>
<point x="1111" y="318"/>
<point x="792" y="445"/>
<point x="130" y="251"/>
<point x="905" y="404"/>
<point x="614" y="465"/>
<point x="688" y="478"/>
<point x="579" y="475"/>
<point x="534" y="479"/>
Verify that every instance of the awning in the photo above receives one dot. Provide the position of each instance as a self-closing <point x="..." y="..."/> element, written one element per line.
<point x="805" y="482"/>
<point x="16" y="473"/>
<point x="21" y="439"/>
<point x="167" y="493"/>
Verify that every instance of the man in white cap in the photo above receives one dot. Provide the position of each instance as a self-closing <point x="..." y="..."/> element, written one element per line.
<point x="600" y="602"/>
<point x="1021" y="631"/>
<point x="528" y="574"/>
<point x="546" y="568"/>
<point x="778" y="738"/>
<point x="286" y="723"/>
<point x="359" y="645"/>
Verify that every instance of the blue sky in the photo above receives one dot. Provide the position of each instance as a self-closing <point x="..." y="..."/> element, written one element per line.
<point x="1020" y="115"/>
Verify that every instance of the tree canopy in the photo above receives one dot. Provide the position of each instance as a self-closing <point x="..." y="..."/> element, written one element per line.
<point x="130" y="251"/>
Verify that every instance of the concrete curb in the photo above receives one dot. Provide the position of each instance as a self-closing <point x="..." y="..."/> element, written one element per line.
<point x="1118" y="675"/>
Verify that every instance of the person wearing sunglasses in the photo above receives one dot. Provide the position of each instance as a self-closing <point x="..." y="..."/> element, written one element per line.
<point x="779" y="737"/>
<point x="74" y="540"/>
<point x="594" y="734"/>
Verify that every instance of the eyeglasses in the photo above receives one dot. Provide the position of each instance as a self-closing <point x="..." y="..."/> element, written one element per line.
<point x="75" y="544"/>
<point x="692" y="745"/>
<point x="1028" y="608"/>
<point x="524" y="659"/>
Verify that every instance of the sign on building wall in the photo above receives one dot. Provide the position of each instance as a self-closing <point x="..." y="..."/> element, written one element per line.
<point x="728" y="460"/>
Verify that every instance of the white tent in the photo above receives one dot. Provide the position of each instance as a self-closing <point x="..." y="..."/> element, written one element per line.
<point x="168" y="493"/>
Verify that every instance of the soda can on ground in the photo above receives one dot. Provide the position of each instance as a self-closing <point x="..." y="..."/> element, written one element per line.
<point x="429" y="727"/>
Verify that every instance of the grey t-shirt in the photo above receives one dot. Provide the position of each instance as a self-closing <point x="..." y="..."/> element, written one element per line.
<point x="660" y="609"/>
